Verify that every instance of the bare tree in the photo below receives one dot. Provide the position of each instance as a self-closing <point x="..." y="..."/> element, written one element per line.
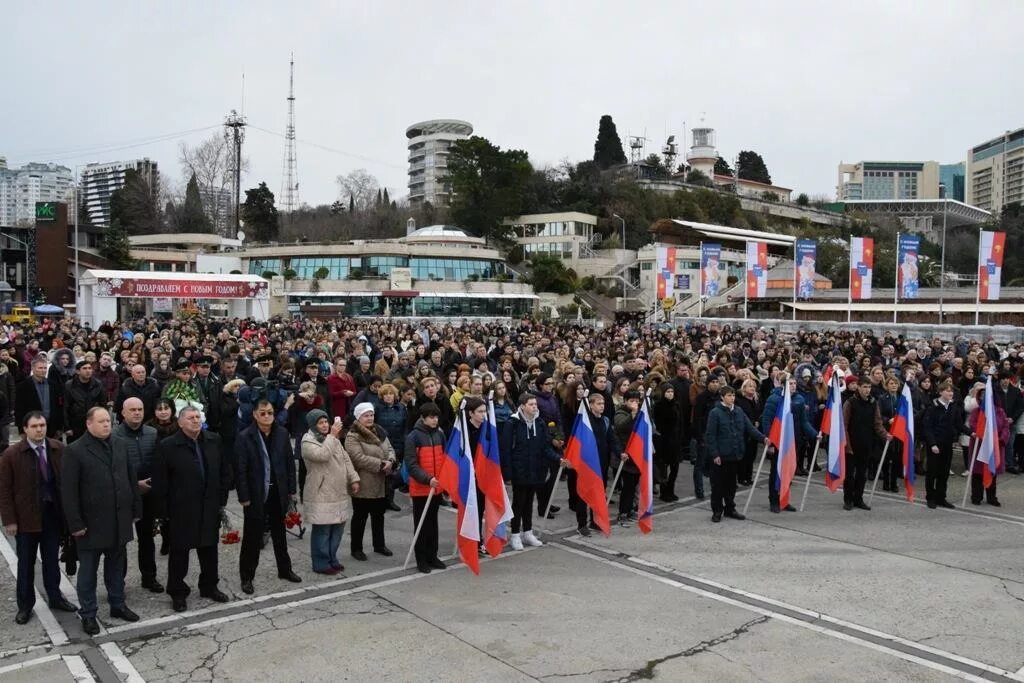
<point x="213" y="163"/>
<point x="360" y="187"/>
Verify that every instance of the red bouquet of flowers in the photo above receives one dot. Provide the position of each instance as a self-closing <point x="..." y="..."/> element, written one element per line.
<point x="292" y="520"/>
<point x="230" y="535"/>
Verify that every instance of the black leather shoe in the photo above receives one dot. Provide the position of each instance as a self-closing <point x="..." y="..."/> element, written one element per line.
<point x="732" y="514"/>
<point x="90" y="625"/>
<point x="290" y="576"/>
<point x="946" y="504"/>
<point x="556" y="508"/>
<point x="383" y="551"/>
<point x="153" y="586"/>
<point x="393" y="506"/>
<point x="931" y="505"/>
<point x="123" y="613"/>
<point x="716" y="517"/>
<point x="789" y="508"/>
<point x="22" y="617"/>
<point x="699" y="496"/>
<point x="861" y="505"/>
<point x="995" y="503"/>
<point x="775" y="508"/>
<point x="436" y="563"/>
<point x="423" y="567"/>
<point x="179" y="604"/>
<point x="247" y="587"/>
<point x="847" y="506"/>
<point x="63" y="605"/>
<point x="550" y="515"/>
<point x="215" y="595"/>
<point x="584" y="532"/>
<point x="359" y="555"/>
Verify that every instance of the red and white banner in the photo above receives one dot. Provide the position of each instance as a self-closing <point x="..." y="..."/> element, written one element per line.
<point x="990" y="265"/>
<point x="862" y="266"/>
<point x="757" y="269"/>
<point x="152" y="288"/>
<point x="665" y="258"/>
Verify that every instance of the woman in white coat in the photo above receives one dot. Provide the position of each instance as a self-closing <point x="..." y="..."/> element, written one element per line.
<point x="330" y="478"/>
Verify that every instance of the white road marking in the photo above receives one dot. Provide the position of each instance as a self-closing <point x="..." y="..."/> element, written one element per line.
<point x="797" y="622"/>
<point x="11" y="668"/>
<point x="76" y="665"/>
<point x="54" y="631"/>
<point x="120" y="662"/>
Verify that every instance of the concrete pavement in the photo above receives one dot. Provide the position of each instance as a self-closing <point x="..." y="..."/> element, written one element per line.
<point x="898" y="593"/>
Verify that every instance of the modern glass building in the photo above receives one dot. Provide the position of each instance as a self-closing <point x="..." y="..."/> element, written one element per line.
<point x="951" y="181"/>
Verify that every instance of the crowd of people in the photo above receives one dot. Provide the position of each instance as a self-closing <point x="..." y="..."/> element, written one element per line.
<point x="141" y="430"/>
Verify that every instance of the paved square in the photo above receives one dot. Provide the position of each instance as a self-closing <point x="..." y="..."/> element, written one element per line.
<point x="898" y="593"/>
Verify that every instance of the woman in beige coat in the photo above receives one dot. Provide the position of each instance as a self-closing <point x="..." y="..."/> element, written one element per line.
<point x="329" y="478"/>
<point x="374" y="458"/>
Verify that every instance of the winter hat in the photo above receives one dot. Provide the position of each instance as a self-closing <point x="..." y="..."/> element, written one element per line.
<point x="361" y="409"/>
<point x="313" y="416"/>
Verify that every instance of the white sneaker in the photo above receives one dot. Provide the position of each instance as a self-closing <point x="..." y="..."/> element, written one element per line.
<point x="517" y="542"/>
<point x="531" y="540"/>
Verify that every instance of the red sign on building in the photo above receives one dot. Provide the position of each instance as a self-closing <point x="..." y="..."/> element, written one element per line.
<point x="180" y="289"/>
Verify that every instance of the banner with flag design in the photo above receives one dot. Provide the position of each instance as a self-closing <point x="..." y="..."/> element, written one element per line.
<point x="990" y="265"/>
<point x="757" y="269"/>
<point x="458" y="478"/>
<point x="862" y="265"/>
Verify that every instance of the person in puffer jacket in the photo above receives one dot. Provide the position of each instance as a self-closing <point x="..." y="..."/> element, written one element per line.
<point x="527" y="456"/>
<point x="424" y="456"/>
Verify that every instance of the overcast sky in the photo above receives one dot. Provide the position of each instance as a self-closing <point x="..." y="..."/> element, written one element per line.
<point x="807" y="84"/>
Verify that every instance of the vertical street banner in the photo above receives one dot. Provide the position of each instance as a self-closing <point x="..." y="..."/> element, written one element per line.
<point x="990" y="265"/>
<point x="907" y="278"/>
<point x="805" y="258"/>
<point x="710" y="255"/>
<point x="862" y="265"/>
<point x="665" y="258"/>
<point x="757" y="269"/>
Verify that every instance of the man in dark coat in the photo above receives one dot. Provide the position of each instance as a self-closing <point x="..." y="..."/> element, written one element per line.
<point x="30" y="510"/>
<point x="141" y="439"/>
<point x="139" y="386"/>
<point x="99" y="489"/>
<point x="37" y="392"/>
<point x="80" y="394"/>
<point x="943" y="423"/>
<point x="728" y="428"/>
<point x="265" y="482"/>
<point x="190" y="488"/>
<point x="863" y="421"/>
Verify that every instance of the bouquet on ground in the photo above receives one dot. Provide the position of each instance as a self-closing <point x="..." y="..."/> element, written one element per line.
<point x="229" y="535"/>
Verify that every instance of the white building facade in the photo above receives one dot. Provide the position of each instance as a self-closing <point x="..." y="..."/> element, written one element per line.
<point x="21" y="188"/>
<point x="429" y="143"/>
<point x="99" y="181"/>
<point x="995" y="172"/>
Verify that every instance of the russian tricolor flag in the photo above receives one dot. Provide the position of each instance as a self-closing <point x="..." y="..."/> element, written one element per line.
<point x="903" y="429"/>
<point x="985" y="431"/>
<point x="832" y="425"/>
<point x="782" y="436"/>
<point x="487" y="463"/>
<point x="640" y="449"/>
<point x="581" y="452"/>
<point x="990" y="264"/>
<point x="458" y="478"/>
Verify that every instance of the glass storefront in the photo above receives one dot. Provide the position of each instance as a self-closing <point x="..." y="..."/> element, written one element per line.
<point x="426" y="306"/>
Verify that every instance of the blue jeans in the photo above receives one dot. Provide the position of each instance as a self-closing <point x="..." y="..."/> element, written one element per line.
<point x="699" y="466"/>
<point x="47" y="543"/>
<point x="113" y="577"/>
<point x="323" y="542"/>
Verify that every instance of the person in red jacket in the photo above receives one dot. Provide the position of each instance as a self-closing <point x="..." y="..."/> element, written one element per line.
<point x="342" y="389"/>
<point x="424" y="454"/>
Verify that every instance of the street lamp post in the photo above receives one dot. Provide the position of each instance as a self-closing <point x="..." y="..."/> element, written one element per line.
<point x="942" y="265"/>
<point x="623" y="220"/>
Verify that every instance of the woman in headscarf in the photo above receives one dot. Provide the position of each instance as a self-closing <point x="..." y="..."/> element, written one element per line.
<point x="330" y="477"/>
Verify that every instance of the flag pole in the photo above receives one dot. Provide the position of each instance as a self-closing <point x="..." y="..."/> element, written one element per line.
<point x="618" y="473"/>
<point x="757" y="475"/>
<point x="700" y="277"/>
<point x="849" y="294"/>
<point x="419" y="528"/>
<point x="796" y="281"/>
<point x="810" y="472"/>
<point x="896" y="281"/>
<point x="547" y="510"/>
<point x="977" y="290"/>
<point x="970" y="470"/>
<point x="746" y="283"/>
<point x="881" y="463"/>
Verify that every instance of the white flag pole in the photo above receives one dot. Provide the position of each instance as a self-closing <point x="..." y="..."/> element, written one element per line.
<point x="810" y="472"/>
<point x="757" y="475"/>
<point x="970" y="470"/>
<point x="419" y="528"/>
<point x="896" y="281"/>
<point x="881" y="463"/>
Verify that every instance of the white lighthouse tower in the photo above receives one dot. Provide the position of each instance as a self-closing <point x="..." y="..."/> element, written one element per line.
<point x="703" y="155"/>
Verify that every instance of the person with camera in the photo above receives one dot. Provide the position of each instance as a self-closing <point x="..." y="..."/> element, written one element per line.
<point x="374" y="459"/>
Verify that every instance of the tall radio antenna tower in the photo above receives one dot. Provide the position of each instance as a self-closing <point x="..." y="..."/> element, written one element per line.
<point x="290" y="177"/>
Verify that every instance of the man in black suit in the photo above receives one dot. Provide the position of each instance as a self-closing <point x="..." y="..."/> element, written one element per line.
<point x="99" y="489"/>
<point x="265" y="481"/>
<point x="37" y="392"/>
<point x="190" y="488"/>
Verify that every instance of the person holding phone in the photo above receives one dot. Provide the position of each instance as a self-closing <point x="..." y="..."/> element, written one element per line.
<point x="141" y="439"/>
